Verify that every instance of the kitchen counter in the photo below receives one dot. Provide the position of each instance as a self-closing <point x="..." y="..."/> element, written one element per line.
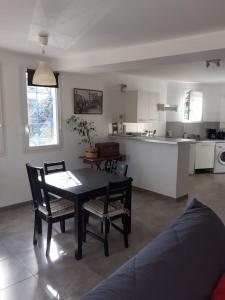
<point x="161" y="140"/>
<point x="210" y="141"/>
<point x="157" y="164"/>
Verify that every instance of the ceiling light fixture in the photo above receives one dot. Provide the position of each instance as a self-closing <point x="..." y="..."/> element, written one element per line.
<point x="217" y="62"/>
<point x="44" y="74"/>
<point x="123" y="87"/>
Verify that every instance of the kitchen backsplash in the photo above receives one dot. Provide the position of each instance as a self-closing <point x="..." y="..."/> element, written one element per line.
<point x="178" y="128"/>
<point x="141" y="127"/>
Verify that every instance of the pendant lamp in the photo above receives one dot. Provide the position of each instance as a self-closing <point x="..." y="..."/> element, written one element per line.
<point x="44" y="74"/>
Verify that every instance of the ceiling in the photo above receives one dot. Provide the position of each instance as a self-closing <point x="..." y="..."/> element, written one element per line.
<point x="186" y="72"/>
<point x="83" y="26"/>
<point x="182" y="68"/>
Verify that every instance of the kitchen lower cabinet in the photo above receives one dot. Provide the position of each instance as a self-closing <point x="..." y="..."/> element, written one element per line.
<point x="204" y="155"/>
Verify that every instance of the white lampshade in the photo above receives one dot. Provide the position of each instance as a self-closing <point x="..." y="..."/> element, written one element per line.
<point x="44" y="75"/>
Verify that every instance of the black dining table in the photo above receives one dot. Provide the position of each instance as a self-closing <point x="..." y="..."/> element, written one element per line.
<point x="80" y="186"/>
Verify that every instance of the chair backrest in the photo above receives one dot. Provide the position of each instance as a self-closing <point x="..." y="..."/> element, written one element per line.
<point x="54" y="167"/>
<point x="116" y="167"/>
<point x="108" y="166"/>
<point x="119" y="168"/>
<point x="118" y="191"/>
<point x="37" y="180"/>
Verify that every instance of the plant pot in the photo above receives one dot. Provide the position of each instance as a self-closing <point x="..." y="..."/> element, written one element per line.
<point x="91" y="152"/>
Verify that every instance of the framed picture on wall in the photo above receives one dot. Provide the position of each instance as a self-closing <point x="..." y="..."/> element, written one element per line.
<point x="88" y="101"/>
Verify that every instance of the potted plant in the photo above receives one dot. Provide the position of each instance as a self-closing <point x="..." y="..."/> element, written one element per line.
<point x="87" y="131"/>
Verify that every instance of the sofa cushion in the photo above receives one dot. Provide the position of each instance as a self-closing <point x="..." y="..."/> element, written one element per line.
<point x="219" y="292"/>
<point x="183" y="262"/>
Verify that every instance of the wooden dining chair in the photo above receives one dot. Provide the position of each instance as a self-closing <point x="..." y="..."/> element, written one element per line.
<point x="54" y="167"/>
<point x="119" y="168"/>
<point x="108" y="165"/>
<point x="114" y="206"/>
<point x="116" y="167"/>
<point x="46" y="208"/>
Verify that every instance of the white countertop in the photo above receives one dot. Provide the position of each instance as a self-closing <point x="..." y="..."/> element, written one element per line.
<point x="161" y="140"/>
<point x="158" y="139"/>
<point x="210" y="141"/>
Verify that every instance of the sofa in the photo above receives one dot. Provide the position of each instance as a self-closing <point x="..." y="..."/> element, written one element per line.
<point x="183" y="263"/>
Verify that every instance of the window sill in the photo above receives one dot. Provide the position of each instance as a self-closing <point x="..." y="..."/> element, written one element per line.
<point x="39" y="149"/>
<point x="192" y="122"/>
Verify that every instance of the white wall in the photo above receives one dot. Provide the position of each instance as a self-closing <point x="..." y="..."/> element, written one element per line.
<point x="212" y="97"/>
<point x="14" y="186"/>
<point x="13" y="179"/>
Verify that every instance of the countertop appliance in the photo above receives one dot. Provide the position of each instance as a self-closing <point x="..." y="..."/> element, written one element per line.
<point x="211" y="134"/>
<point x="221" y="135"/>
<point x="219" y="164"/>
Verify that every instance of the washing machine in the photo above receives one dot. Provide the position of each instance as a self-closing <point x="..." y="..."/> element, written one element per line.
<point x="219" y="164"/>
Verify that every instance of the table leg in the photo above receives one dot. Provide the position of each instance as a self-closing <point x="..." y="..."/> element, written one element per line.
<point x="78" y="228"/>
<point x="129" y="207"/>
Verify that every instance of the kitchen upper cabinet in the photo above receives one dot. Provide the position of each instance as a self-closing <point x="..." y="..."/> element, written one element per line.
<point x="211" y="103"/>
<point x="141" y="106"/>
<point x="222" y="109"/>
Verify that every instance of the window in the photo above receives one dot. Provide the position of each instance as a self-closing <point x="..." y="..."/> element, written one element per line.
<point x="42" y="128"/>
<point x="2" y="147"/>
<point x="192" y="108"/>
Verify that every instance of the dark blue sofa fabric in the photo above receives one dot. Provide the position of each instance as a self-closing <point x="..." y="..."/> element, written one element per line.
<point x="182" y="263"/>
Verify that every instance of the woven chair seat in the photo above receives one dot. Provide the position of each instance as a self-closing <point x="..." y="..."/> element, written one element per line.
<point x="96" y="207"/>
<point x="59" y="207"/>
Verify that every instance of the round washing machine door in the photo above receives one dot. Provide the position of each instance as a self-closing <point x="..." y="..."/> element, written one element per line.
<point x="221" y="157"/>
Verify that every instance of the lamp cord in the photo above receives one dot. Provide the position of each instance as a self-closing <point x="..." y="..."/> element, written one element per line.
<point x="43" y="50"/>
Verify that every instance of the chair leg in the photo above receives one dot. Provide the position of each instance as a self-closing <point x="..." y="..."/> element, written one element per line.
<point x="87" y="217"/>
<point x="106" y="230"/>
<point x="85" y="220"/>
<point x="49" y="236"/>
<point x="125" y="231"/>
<point x="101" y="226"/>
<point x="108" y="227"/>
<point x="35" y="229"/>
<point x="62" y="226"/>
<point x="39" y="225"/>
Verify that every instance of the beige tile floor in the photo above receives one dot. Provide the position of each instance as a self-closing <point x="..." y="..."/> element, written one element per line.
<point x="27" y="274"/>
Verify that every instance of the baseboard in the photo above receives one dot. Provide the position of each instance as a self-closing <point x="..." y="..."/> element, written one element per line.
<point x="26" y="203"/>
<point x="158" y="194"/>
<point x="185" y="197"/>
<point x="17" y="205"/>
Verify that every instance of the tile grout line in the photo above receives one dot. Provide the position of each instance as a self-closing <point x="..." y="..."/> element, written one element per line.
<point x="13" y="284"/>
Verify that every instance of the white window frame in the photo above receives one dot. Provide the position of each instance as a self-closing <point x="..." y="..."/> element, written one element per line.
<point x="42" y="148"/>
<point x="183" y="102"/>
<point x="2" y="123"/>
